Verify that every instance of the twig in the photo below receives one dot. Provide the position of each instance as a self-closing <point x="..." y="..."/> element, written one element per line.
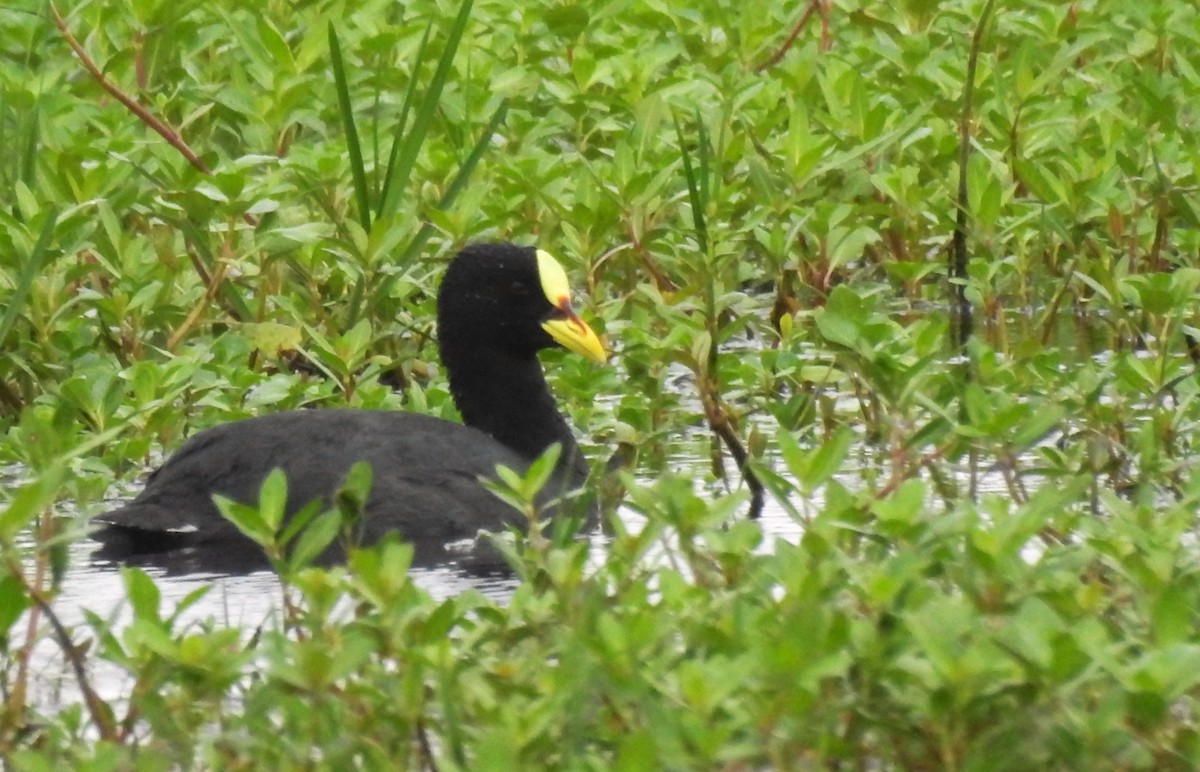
<point x="10" y="399"/>
<point x="1051" y="313"/>
<point x="144" y="115"/>
<point x="201" y="305"/>
<point x="900" y="477"/>
<point x="166" y="132"/>
<point x="1161" y="234"/>
<point x="16" y="702"/>
<point x="960" y="305"/>
<point x="662" y="282"/>
<point x="426" y="747"/>
<point x="96" y="706"/>
<point x="813" y="6"/>
<point x="718" y="421"/>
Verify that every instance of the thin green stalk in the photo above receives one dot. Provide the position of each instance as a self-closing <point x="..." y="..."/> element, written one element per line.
<point x="456" y="186"/>
<point x="407" y="157"/>
<point x="698" y="198"/>
<point x="958" y="267"/>
<point x="352" y="146"/>
<point x="29" y="272"/>
<point x="694" y="194"/>
<point x="463" y="175"/>
<point x="709" y="385"/>
<point x="402" y="121"/>
<point x="960" y="304"/>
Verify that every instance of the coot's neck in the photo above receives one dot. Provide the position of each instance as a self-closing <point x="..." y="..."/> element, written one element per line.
<point x="506" y="396"/>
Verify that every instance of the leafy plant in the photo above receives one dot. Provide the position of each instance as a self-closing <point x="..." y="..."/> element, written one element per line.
<point x="975" y="552"/>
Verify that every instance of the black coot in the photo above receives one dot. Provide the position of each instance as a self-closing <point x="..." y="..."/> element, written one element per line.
<point x="498" y="305"/>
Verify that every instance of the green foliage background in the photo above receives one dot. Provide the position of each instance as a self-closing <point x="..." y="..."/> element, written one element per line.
<point x="916" y="624"/>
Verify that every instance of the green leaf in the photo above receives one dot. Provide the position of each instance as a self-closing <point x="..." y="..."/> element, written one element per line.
<point x="346" y="110"/>
<point x="30" y="500"/>
<point x="274" y="43"/>
<point x="904" y="505"/>
<point x="826" y="460"/>
<point x="272" y="338"/>
<point x="314" y="539"/>
<point x="1043" y="420"/>
<point x="247" y="520"/>
<point x="510" y="478"/>
<point x="272" y="499"/>
<point x="696" y="183"/>
<point x="143" y="594"/>
<point x="1168" y="671"/>
<point x="356" y="486"/>
<point x="842" y="318"/>
<point x="189" y="600"/>
<point x="846" y="244"/>
<point x="637" y="752"/>
<point x="29" y="271"/>
<point x="399" y="173"/>
<point x="402" y="122"/>
<point x="568" y="21"/>
<point x="13" y="602"/>
<point x="540" y="471"/>
<point x="521" y="490"/>
<point x="299" y="521"/>
<point x="351" y="346"/>
<point x="1171" y="617"/>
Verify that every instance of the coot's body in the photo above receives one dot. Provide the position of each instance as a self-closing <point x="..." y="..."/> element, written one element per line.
<point x="498" y="305"/>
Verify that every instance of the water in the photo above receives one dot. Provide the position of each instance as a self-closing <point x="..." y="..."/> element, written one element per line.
<point x="248" y="601"/>
<point x="253" y="600"/>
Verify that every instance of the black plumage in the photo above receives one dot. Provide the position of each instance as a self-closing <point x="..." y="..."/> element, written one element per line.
<point x="498" y="305"/>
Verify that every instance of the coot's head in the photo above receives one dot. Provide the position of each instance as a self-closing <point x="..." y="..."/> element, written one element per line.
<point x="512" y="299"/>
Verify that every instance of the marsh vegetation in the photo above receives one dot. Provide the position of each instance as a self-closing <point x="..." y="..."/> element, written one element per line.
<point x="852" y="256"/>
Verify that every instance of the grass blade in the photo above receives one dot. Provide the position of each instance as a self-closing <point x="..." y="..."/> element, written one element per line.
<point x="352" y="146"/>
<point x="195" y="238"/>
<point x="463" y="175"/>
<point x="704" y="163"/>
<point x="29" y="156"/>
<point x="407" y="156"/>
<point x="398" y="135"/>
<point x="962" y="317"/>
<point x="694" y="195"/>
<point x="32" y="268"/>
<point x="461" y="178"/>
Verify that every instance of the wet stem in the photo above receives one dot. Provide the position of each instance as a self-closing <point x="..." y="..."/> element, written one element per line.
<point x="12" y="718"/>
<point x="16" y="699"/>
<point x="293" y="611"/>
<point x="537" y="540"/>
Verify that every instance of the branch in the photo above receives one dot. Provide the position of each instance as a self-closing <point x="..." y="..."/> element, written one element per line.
<point x="719" y="422"/>
<point x="813" y="5"/>
<point x="97" y="708"/>
<point x="961" y="305"/>
<point x="146" y="117"/>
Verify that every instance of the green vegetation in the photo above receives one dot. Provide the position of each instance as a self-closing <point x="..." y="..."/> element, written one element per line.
<point x="763" y="225"/>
